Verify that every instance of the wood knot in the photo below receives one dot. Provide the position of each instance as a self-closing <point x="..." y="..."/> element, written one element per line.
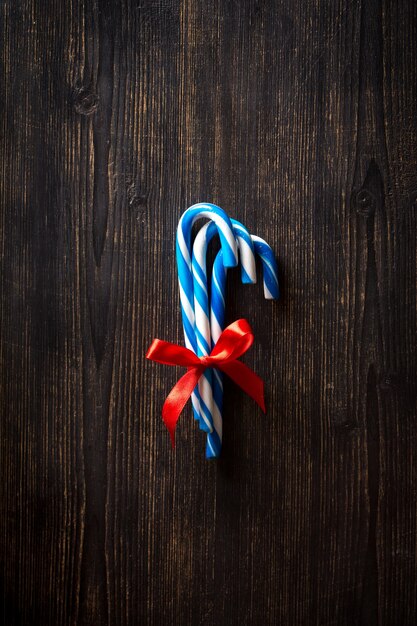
<point x="344" y="422"/>
<point x="388" y="381"/>
<point x="85" y="100"/>
<point x="364" y="202"/>
<point x="137" y="201"/>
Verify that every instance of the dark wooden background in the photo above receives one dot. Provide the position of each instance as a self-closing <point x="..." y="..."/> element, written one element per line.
<point x="299" y="118"/>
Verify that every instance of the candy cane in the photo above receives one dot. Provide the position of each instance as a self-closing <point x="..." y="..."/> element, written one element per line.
<point x="211" y="387"/>
<point x="185" y="279"/>
<point x="217" y="307"/>
<point x="202" y="322"/>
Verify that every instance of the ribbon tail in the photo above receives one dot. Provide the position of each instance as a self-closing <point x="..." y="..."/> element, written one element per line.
<point x="247" y="380"/>
<point x="178" y="397"/>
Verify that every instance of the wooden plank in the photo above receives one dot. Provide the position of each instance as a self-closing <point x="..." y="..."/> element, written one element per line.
<point x="300" y="119"/>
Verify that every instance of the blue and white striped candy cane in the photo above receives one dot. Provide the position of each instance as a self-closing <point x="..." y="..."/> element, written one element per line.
<point x="185" y="279"/>
<point x="218" y="306"/>
<point x="202" y="313"/>
<point x="212" y="387"/>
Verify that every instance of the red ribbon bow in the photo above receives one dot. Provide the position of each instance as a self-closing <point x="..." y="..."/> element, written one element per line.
<point x="234" y="341"/>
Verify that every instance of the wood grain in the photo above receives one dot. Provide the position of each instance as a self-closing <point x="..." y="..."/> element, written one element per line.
<point x="300" y="119"/>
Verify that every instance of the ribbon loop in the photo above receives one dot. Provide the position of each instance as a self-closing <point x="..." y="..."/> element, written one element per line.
<point x="234" y="341"/>
<point x="170" y="354"/>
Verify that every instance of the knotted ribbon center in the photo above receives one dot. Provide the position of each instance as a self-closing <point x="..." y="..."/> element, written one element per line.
<point x="234" y="341"/>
